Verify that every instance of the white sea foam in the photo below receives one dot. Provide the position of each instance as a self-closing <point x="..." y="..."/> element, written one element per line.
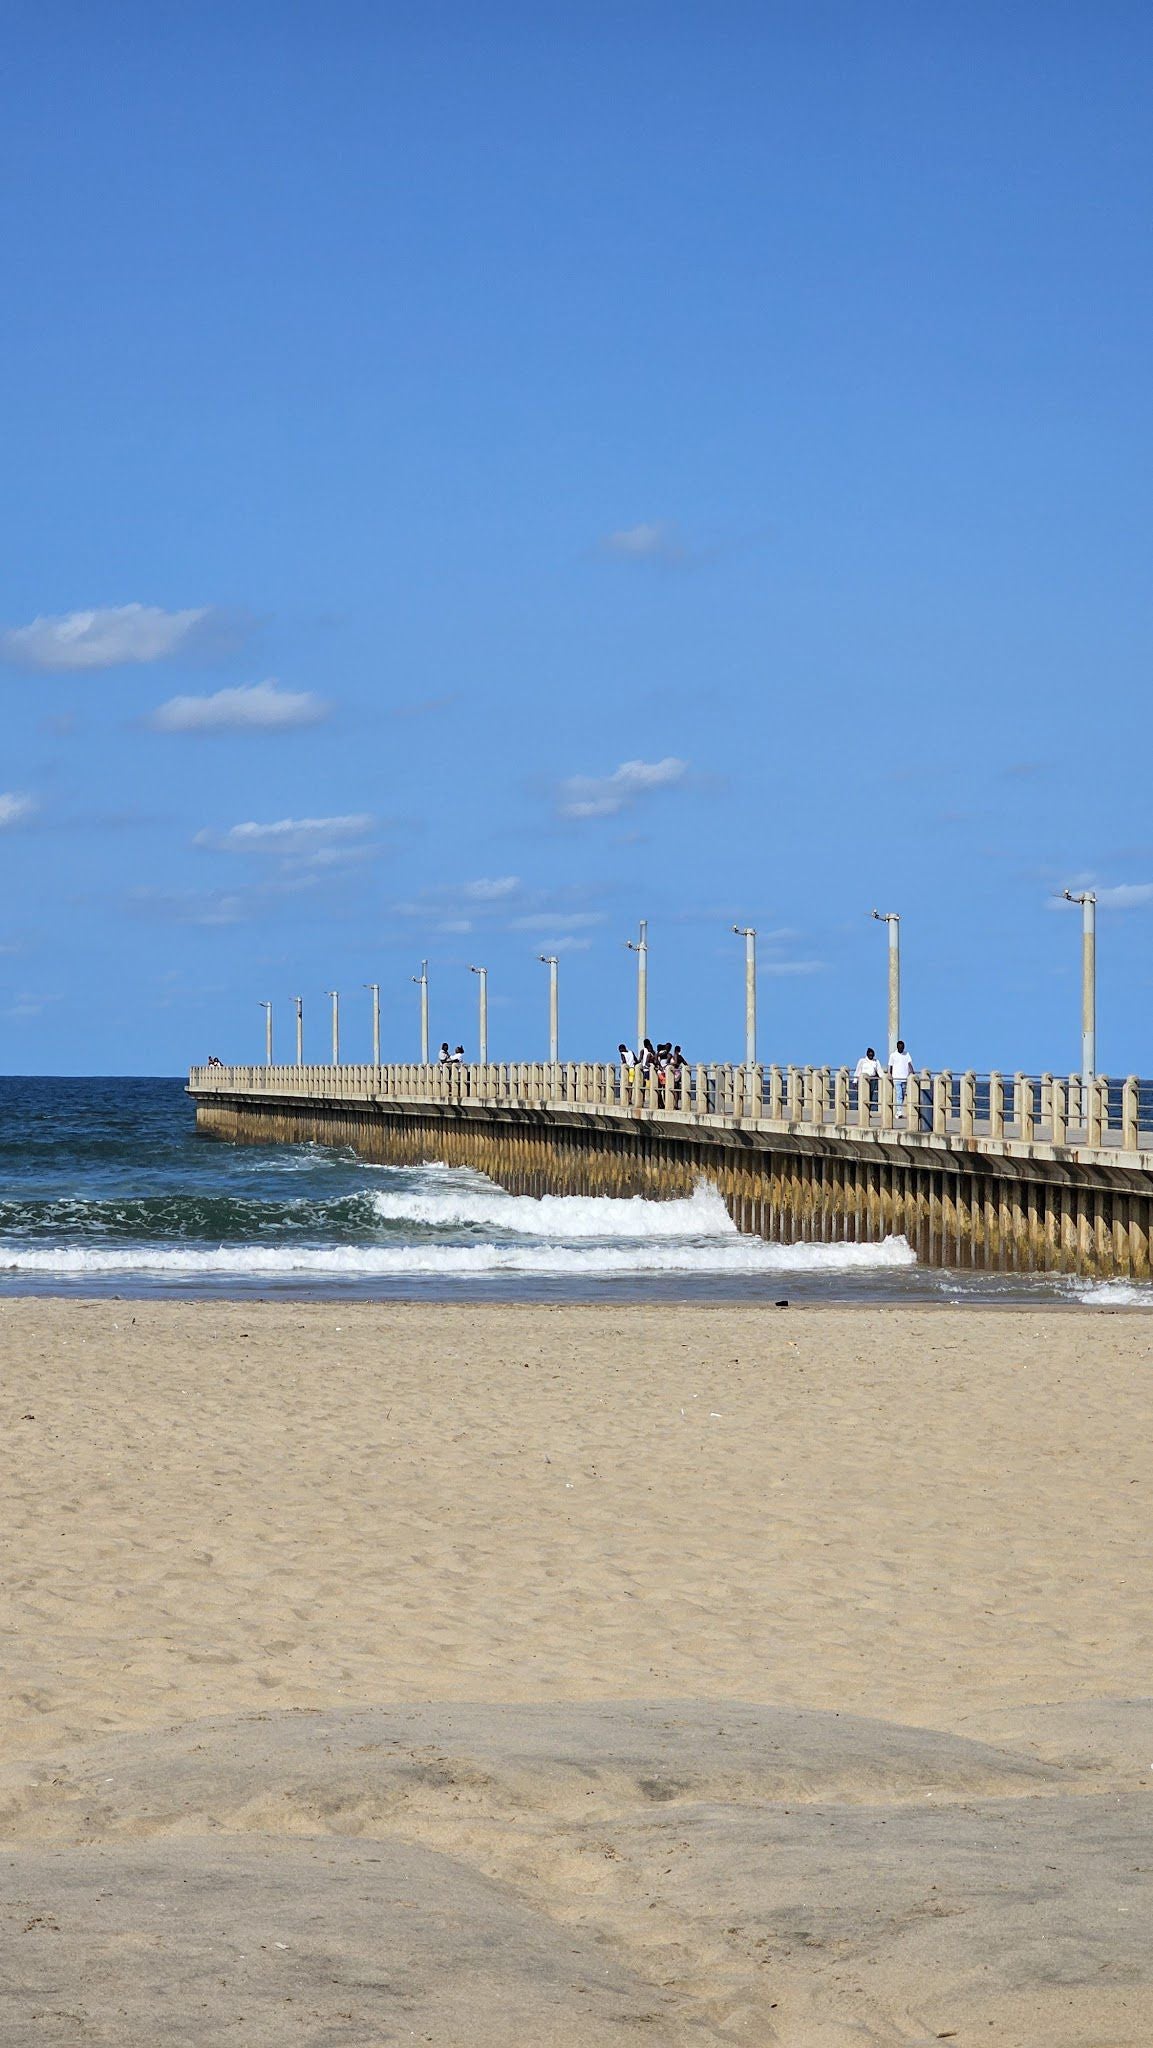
<point x="480" y="1203"/>
<point x="735" y="1256"/>
<point x="1115" y="1294"/>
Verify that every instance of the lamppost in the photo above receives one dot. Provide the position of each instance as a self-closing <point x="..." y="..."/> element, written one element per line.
<point x="374" y="990"/>
<point x="421" y="981"/>
<point x="482" y="1036"/>
<point x="335" y="994"/>
<point x="267" y="1008"/>
<point x="893" y="919"/>
<point x="1087" y="898"/>
<point x="549" y="960"/>
<point x="299" y="1001"/>
<point x="640" y="946"/>
<point x="748" y="933"/>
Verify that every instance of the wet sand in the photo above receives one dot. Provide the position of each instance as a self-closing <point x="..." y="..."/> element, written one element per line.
<point x="741" y="1674"/>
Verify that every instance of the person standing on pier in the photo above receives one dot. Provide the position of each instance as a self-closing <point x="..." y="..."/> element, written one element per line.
<point x="868" y="1073"/>
<point x="900" y="1067"/>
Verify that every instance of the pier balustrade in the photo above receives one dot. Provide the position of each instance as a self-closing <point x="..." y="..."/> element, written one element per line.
<point x="1061" y="1112"/>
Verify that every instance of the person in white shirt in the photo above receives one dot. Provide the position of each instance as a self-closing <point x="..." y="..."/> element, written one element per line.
<point x="900" y="1067"/>
<point x="868" y="1073"/>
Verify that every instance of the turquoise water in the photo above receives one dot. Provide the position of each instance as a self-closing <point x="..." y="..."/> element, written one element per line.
<point x="106" y="1187"/>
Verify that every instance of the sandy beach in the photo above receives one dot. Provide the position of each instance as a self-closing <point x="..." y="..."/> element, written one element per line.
<point x="533" y="1675"/>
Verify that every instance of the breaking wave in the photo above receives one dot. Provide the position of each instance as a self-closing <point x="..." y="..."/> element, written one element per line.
<point x="734" y="1256"/>
<point x="476" y="1203"/>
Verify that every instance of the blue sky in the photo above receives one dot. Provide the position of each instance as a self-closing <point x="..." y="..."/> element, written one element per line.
<point x="475" y="477"/>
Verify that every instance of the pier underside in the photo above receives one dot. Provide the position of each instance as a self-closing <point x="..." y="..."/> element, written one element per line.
<point x="956" y="1206"/>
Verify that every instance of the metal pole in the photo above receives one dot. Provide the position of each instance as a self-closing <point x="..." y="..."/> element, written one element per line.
<point x="893" y="919"/>
<point x="1088" y="901"/>
<point x="421" y="981"/>
<point x="334" y="993"/>
<point x="299" y="1001"/>
<point x="267" y="1008"/>
<point x="482" y="1040"/>
<point x="550" y="961"/>
<point x="374" y="989"/>
<point x="641" y="948"/>
<point x="748" y="933"/>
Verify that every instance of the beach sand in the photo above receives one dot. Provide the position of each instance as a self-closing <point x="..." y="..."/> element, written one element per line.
<point x="529" y="1676"/>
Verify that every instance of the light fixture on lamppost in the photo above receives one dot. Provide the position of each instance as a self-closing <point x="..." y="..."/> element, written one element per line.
<point x="335" y="994"/>
<point x="748" y="933"/>
<point x="373" y="988"/>
<point x="1087" y="898"/>
<point x="640" y="946"/>
<point x="549" y="960"/>
<point x="299" y="1001"/>
<point x="267" y="1008"/>
<point x="482" y="1036"/>
<point x="421" y="981"/>
<point x="893" y="919"/>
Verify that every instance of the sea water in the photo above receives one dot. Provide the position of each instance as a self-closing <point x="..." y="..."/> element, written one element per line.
<point x="107" y="1187"/>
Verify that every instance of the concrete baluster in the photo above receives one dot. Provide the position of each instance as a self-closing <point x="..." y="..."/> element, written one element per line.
<point x="864" y="1103"/>
<point x="775" y="1109"/>
<point x="1046" y="1117"/>
<point x="1096" y="1109"/>
<point x="1023" y="1091"/>
<point x="996" y="1106"/>
<point x="1059" y="1115"/>
<point x="913" y="1090"/>
<point x="820" y="1093"/>
<point x="1130" y="1105"/>
<point x="968" y="1103"/>
<point x="940" y="1104"/>
<point x="886" y="1104"/>
<point x="841" y="1096"/>
<point x="792" y="1095"/>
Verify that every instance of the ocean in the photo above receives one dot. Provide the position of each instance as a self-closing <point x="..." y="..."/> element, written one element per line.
<point x="107" y="1188"/>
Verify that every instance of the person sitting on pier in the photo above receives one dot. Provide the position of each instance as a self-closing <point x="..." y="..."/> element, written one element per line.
<point x="628" y="1060"/>
<point x="456" y="1057"/>
<point x="444" y="1057"/>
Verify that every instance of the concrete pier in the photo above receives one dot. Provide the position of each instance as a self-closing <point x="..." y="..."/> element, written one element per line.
<point x="1008" y="1174"/>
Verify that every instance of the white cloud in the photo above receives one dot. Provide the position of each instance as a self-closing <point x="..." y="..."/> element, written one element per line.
<point x="590" y="796"/>
<point x="103" y="638"/>
<point x="565" y="921"/>
<point x="652" y="541"/>
<point x="491" y="889"/>
<point x="318" y="838"/>
<point x="251" y="707"/>
<point x="1126" y="896"/>
<point x="15" y="807"/>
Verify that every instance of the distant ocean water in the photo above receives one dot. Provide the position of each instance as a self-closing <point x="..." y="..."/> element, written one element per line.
<point x="106" y="1188"/>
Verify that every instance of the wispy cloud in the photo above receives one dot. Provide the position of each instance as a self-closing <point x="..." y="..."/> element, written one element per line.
<point x="314" y="837"/>
<point x="1121" y="896"/>
<point x="105" y="637"/>
<point x="250" y="707"/>
<point x="16" y="807"/>
<point x="491" y="888"/>
<point x="591" y="796"/>
<point x="557" y="921"/>
<point x="1126" y="896"/>
<point x="654" y="540"/>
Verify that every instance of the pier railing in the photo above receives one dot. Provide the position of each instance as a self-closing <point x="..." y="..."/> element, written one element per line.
<point x="1053" y="1110"/>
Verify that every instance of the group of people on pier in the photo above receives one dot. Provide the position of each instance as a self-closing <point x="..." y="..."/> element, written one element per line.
<point x="662" y="1061"/>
